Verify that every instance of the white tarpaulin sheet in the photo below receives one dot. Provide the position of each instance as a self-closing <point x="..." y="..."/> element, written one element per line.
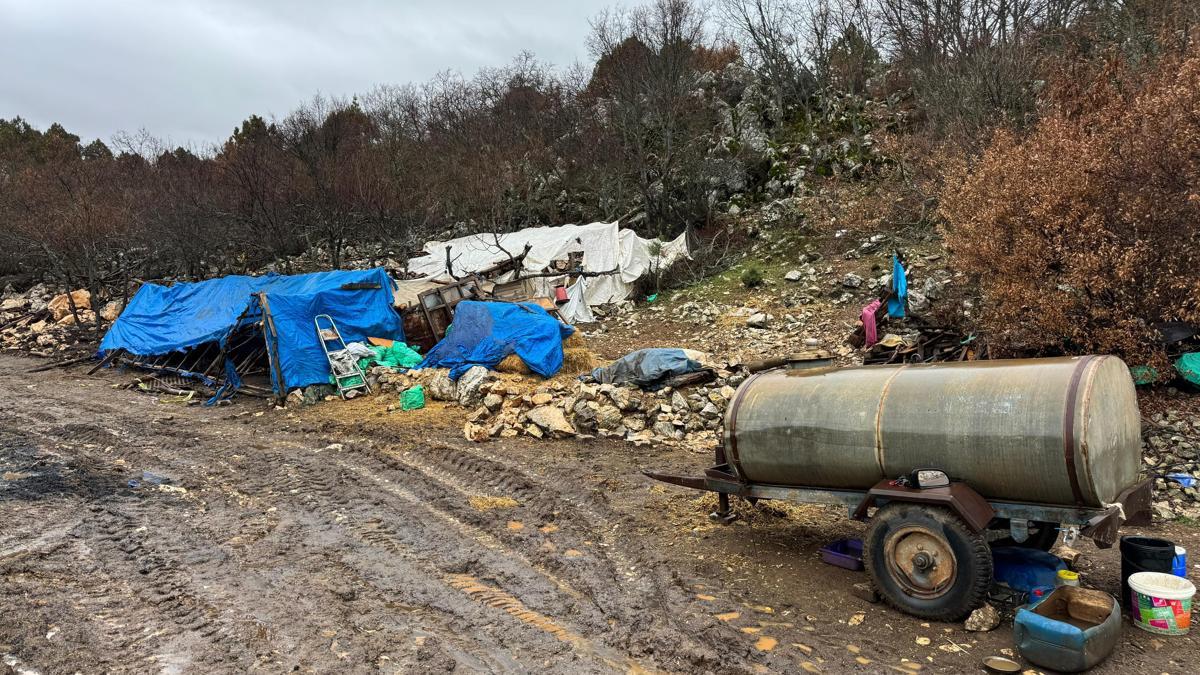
<point x="605" y="248"/>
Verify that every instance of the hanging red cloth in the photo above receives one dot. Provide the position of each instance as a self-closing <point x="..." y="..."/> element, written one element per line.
<point x="868" y="321"/>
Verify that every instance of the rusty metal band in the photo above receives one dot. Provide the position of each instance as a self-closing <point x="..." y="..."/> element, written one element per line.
<point x="735" y="460"/>
<point x="879" y="459"/>
<point x="1069" y="426"/>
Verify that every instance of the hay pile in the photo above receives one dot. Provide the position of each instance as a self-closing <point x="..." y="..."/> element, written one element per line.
<point x="577" y="359"/>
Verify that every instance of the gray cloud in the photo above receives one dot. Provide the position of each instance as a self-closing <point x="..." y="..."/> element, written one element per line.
<point x="191" y="71"/>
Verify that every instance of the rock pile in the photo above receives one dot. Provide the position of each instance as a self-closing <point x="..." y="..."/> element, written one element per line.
<point x="1172" y="447"/>
<point x="42" y="322"/>
<point x="505" y="406"/>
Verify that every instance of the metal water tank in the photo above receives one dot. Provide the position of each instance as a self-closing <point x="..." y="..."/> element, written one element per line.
<point x="1054" y="431"/>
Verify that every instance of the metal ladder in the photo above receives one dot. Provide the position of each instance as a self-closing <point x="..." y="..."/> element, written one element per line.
<point x="342" y="363"/>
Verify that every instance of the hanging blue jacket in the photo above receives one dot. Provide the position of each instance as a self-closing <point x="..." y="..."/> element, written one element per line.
<point x="899" y="300"/>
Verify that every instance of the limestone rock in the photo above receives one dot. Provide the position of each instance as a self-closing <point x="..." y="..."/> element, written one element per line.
<point x="60" y="306"/>
<point x="551" y="420"/>
<point x="85" y="316"/>
<point x="493" y="402"/>
<point x="917" y="302"/>
<point x="475" y="432"/>
<point x="470" y="386"/>
<point x="984" y="619"/>
<point x="667" y="430"/>
<point x="442" y="388"/>
<point x="608" y="417"/>
<point x="621" y="397"/>
<point x="110" y="311"/>
<point x="679" y="401"/>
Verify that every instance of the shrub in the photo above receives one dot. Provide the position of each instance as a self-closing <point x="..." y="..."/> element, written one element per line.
<point x="752" y="277"/>
<point x="1086" y="232"/>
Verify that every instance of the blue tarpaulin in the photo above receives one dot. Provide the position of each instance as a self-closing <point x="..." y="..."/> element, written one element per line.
<point x="484" y="333"/>
<point x="164" y="319"/>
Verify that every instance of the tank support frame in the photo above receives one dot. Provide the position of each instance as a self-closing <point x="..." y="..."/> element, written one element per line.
<point x="1098" y="524"/>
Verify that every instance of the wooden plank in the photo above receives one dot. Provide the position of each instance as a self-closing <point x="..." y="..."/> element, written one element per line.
<point x="112" y="356"/>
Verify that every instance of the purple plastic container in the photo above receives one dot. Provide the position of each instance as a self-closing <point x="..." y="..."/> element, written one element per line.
<point x="845" y="553"/>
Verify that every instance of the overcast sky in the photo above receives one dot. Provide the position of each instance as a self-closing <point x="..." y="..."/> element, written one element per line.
<point x="191" y="71"/>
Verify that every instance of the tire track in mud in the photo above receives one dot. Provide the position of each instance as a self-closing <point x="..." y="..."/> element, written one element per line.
<point x="634" y="608"/>
<point x="392" y="539"/>
<point x="299" y="481"/>
<point x="297" y="475"/>
<point x="639" y="598"/>
<point x="418" y="545"/>
<point x="197" y="623"/>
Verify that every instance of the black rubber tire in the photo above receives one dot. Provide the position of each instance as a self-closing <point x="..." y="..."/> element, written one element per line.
<point x="973" y="561"/>
<point x="1043" y="540"/>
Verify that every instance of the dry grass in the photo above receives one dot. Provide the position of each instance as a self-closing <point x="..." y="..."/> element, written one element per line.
<point x="514" y="365"/>
<point x="481" y="503"/>
<point x="435" y="414"/>
<point x="578" y="360"/>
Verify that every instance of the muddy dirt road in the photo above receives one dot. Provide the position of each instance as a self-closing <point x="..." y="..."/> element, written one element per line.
<point x="142" y="536"/>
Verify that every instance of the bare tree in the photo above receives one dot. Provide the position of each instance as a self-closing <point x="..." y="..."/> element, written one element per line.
<point x="770" y="34"/>
<point x="646" y="81"/>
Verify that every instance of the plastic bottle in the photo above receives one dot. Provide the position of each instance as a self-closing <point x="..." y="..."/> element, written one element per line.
<point x="1067" y="578"/>
<point x="1179" y="564"/>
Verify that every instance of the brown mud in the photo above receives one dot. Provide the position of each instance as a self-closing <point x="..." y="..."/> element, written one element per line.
<point x="148" y="537"/>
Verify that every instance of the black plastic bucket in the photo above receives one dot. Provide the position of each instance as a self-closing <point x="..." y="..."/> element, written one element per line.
<point x="1143" y="554"/>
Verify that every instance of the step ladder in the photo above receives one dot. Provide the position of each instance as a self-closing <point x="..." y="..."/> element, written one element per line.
<point x="342" y="364"/>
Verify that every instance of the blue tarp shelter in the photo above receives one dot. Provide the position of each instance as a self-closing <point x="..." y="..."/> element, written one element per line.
<point x="164" y="319"/>
<point x="484" y="333"/>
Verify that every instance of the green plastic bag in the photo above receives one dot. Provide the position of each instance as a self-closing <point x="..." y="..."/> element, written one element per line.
<point x="1188" y="366"/>
<point x="413" y="399"/>
<point x="1143" y="374"/>
<point x="399" y="356"/>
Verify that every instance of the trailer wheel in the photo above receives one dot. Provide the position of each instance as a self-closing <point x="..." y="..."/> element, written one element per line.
<point x="925" y="561"/>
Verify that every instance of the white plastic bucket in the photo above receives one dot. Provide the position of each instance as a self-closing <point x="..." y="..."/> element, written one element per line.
<point x="1161" y="603"/>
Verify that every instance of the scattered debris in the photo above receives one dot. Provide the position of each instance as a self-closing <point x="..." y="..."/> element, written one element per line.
<point x="865" y="591"/>
<point x="921" y="345"/>
<point x="983" y="619"/>
<point x="1171" y="446"/>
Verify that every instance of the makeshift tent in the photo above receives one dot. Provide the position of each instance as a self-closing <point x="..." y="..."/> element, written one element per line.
<point x="619" y="257"/>
<point x="164" y="319"/>
<point x="484" y="333"/>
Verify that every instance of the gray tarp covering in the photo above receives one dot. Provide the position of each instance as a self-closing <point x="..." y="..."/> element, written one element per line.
<point x="648" y="368"/>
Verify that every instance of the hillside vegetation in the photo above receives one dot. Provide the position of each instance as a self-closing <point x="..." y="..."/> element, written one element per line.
<point x="1052" y="143"/>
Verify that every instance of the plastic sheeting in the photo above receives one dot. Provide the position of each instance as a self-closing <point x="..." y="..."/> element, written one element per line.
<point x="648" y="368"/>
<point x="605" y="248"/>
<point x="484" y="333"/>
<point x="1188" y="366"/>
<point x="576" y="309"/>
<point x="162" y="319"/>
